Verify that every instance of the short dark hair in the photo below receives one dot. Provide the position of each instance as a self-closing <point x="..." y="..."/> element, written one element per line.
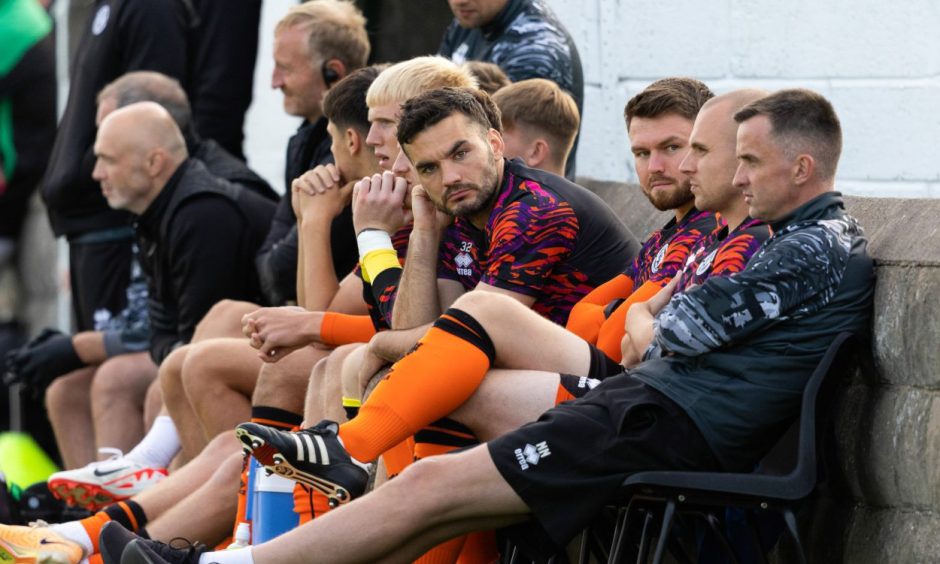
<point x="345" y="103"/>
<point x="802" y="121"/>
<point x="676" y="95"/>
<point x="490" y="78"/>
<point x="432" y="107"/>
<point x="151" y="86"/>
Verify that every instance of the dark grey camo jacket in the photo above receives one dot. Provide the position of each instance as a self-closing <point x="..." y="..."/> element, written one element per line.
<point x="526" y="40"/>
<point x="736" y="351"/>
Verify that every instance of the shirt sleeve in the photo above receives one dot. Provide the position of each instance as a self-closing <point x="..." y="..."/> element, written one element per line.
<point x="794" y="276"/>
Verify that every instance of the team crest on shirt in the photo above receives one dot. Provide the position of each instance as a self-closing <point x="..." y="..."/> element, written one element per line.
<point x="658" y="260"/>
<point x="706" y="263"/>
<point x="100" y="20"/>
<point x="464" y="260"/>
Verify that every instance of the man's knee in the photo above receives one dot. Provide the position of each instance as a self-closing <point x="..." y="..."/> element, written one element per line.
<point x="122" y="374"/>
<point x="63" y="390"/>
<point x="229" y="471"/>
<point x="483" y="305"/>
<point x="170" y="369"/>
<point x="223" y="319"/>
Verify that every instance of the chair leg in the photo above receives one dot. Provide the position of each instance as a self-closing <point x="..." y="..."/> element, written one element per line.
<point x="790" y="519"/>
<point x="644" y="552"/>
<point x="755" y="538"/>
<point x="668" y="514"/>
<point x="620" y="529"/>
<point x="717" y="529"/>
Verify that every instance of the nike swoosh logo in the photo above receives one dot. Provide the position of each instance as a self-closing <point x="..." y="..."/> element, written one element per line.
<point x="45" y="541"/>
<point x="101" y="474"/>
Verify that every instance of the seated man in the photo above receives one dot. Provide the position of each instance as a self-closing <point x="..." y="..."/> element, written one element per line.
<point x="540" y="122"/>
<point x="727" y="369"/>
<point x="197" y="233"/>
<point x="110" y="398"/>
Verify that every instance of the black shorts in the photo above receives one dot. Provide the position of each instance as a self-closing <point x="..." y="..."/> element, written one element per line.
<point x="100" y="272"/>
<point x="567" y="465"/>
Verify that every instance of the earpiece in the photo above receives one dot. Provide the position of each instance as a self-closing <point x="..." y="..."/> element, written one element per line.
<point x="330" y="76"/>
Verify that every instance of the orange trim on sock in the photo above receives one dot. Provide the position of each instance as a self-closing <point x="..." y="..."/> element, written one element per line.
<point x="272" y="423"/>
<point x="95" y="559"/>
<point x="130" y="515"/>
<point x="612" y="331"/>
<point x="93" y="526"/>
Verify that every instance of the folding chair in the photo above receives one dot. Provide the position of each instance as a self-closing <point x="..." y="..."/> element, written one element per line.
<point x="785" y="476"/>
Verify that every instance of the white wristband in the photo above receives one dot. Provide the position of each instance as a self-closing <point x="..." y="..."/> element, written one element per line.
<point x="372" y="240"/>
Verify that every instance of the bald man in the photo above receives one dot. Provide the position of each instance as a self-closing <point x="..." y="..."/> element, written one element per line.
<point x="198" y="234"/>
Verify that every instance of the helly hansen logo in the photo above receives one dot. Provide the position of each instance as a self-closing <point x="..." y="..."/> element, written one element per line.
<point x="532" y="454"/>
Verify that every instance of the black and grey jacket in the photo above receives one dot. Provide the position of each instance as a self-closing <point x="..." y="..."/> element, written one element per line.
<point x="736" y="351"/>
<point x="198" y="240"/>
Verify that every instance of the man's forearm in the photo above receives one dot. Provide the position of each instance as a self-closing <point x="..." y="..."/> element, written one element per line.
<point x="392" y="345"/>
<point x="89" y="346"/>
<point x="316" y="265"/>
<point x="417" y="301"/>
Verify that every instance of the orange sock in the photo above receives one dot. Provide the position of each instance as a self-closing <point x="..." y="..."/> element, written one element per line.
<point x="272" y="417"/>
<point x="480" y="548"/>
<point x="444" y="369"/>
<point x="127" y="513"/>
<point x="399" y="457"/>
<point x="242" y="504"/>
<point x="612" y="331"/>
<point x="95" y="558"/>
<point x="444" y="553"/>
<point x="309" y="503"/>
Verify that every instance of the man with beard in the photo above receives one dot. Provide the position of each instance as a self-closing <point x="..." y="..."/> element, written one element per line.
<point x="659" y="120"/>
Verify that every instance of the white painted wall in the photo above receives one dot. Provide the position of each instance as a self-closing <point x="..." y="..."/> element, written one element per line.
<point x="878" y="62"/>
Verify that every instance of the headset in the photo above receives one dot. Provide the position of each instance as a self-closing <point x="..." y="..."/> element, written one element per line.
<point x="330" y="76"/>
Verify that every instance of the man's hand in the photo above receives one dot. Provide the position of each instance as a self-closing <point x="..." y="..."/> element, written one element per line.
<point x="427" y="216"/>
<point x="378" y="203"/>
<point x="37" y="363"/>
<point x="662" y="297"/>
<point x="278" y="331"/>
<point x="320" y="194"/>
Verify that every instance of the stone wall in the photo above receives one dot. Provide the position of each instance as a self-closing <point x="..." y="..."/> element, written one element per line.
<point x="882" y="501"/>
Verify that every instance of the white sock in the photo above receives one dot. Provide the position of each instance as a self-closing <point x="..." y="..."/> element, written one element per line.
<point x="74" y="531"/>
<point x="159" y="445"/>
<point x="234" y="556"/>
